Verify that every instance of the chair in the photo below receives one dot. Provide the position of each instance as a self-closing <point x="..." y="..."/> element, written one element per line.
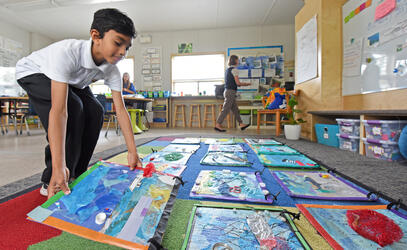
<point x="136" y="122"/>
<point x="179" y="110"/>
<point x="26" y="113"/>
<point x="195" y="115"/>
<point x="111" y="115"/>
<point x="209" y="114"/>
<point x="3" y="124"/>
<point x="276" y="112"/>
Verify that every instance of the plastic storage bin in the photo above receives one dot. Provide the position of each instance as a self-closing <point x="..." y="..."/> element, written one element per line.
<point x="384" y="150"/>
<point x="159" y="107"/>
<point x="349" y="126"/>
<point x="384" y="130"/>
<point x="348" y="142"/>
<point x="326" y="134"/>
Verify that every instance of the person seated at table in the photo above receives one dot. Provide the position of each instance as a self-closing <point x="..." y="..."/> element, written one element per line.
<point x="128" y="87"/>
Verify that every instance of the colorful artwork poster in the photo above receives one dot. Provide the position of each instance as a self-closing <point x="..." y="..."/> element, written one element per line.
<point x="226" y="159"/>
<point x="262" y="141"/>
<point x="331" y="222"/>
<point x="183" y="148"/>
<point x="231" y="228"/>
<point x="289" y="161"/>
<point x="186" y="140"/>
<point x="110" y="204"/>
<point x="168" y="157"/>
<point x="168" y="168"/>
<point x="231" y="185"/>
<point x="225" y="148"/>
<point x="220" y="141"/>
<point x="317" y="185"/>
<point x="274" y="150"/>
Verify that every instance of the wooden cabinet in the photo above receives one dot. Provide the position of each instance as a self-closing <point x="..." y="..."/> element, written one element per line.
<point x="160" y="113"/>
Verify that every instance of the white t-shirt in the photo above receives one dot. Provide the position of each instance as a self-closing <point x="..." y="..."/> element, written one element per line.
<point x="69" y="61"/>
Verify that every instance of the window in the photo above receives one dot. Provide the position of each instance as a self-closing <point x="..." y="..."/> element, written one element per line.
<point x="197" y="74"/>
<point x="125" y="65"/>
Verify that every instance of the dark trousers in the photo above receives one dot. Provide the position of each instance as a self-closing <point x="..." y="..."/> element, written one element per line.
<point x="85" y="120"/>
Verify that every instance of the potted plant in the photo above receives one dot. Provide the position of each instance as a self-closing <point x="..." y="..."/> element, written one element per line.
<point x="292" y="126"/>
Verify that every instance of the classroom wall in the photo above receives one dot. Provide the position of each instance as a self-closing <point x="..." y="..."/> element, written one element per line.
<point x="31" y="41"/>
<point x="324" y="91"/>
<point x="212" y="40"/>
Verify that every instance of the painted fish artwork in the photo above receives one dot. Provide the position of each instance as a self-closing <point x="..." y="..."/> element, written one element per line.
<point x="238" y="228"/>
<point x="225" y="148"/>
<point x="225" y="159"/>
<point x="181" y="148"/>
<point x="289" y="161"/>
<point x="262" y="141"/>
<point x="231" y="185"/>
<point x="186" y="140"/>
<point x="168" y="157"/>
<point x="110" y="204"/>
<point x="274" y="150"/>
<point x="318" y="185"/>
<point x="332" y="223"/>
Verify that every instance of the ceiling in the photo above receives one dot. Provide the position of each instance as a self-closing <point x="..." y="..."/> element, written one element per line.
<point x="59" y="19"/>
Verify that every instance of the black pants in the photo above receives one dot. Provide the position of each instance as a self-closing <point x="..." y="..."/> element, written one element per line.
<point x="85" y="120"/>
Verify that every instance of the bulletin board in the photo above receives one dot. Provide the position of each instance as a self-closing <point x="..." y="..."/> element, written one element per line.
<point x="374" y="46"/>
<point x="151" y="69"/>
<point x="259" y="66"/>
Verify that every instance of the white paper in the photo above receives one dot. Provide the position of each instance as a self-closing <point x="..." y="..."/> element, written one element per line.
<point x="352" y="58"/>
<point x="243" y="73"/>
<point x="269" y="72"/>
<point x="307" y="51"/>
<point x="256" y="72"/>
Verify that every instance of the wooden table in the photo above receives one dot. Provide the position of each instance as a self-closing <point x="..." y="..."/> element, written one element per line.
<point x="12" y="107"/>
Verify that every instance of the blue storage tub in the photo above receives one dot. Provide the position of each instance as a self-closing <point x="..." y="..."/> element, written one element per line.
<point x="326" y="134"/>
<point x="159" y="119"/>
<point x="384" y="150"/>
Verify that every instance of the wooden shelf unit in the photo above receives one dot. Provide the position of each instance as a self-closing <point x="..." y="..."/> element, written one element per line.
<point x="161" y="113"/>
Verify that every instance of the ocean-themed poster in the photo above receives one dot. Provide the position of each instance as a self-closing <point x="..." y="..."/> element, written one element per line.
<point x="228" y="227"/>
<point x="231" y="185"/>
<point x="333" y="223"/>
<point x="274" y="150"/>
<point x="262" y="141"/>
<point x="225" y="148"/>
<point x="168" y="157"/>
<point x="226" y="159"/>
<point x="318" y="185"/>
<point x="183" y="148"/>
<point x="110" y="204"/>
<point x="290" y="161"/>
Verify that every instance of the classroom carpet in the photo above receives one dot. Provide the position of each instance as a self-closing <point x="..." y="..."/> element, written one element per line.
<point x="347" y="163"/>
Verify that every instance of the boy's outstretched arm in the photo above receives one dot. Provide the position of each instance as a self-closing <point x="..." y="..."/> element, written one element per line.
<point x="58" y="116"/>
<point x="124" y="122"/>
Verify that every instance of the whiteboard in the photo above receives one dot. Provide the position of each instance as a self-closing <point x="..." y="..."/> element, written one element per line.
<point x="307" y="52"/>
<point x="374" y="51"/>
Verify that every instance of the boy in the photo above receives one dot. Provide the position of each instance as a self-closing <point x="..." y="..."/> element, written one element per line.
<point x="57" y="79"/>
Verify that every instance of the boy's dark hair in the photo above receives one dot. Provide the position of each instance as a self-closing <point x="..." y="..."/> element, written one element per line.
<point x="233" y="60"/>
<point x="113" y="19"/>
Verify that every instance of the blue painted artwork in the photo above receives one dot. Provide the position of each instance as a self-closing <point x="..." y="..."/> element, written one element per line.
<point x="274" y="150"/>
<point x="225" y="228"/>
<point x="225" y="159"/>
<point x="115" y="201"/>
<point x="262" y="141"/>
<point x="291" y="161"/>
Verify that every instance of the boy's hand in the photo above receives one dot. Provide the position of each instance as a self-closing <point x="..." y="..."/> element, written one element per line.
<point x="134" y="160"/>
<point x="58" y="182"/>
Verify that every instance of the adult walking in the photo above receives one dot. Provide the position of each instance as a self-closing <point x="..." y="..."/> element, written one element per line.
<point x="230" y="104"/>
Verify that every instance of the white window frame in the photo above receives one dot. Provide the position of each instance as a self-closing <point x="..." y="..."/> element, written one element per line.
<point x="198" y="82"/>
